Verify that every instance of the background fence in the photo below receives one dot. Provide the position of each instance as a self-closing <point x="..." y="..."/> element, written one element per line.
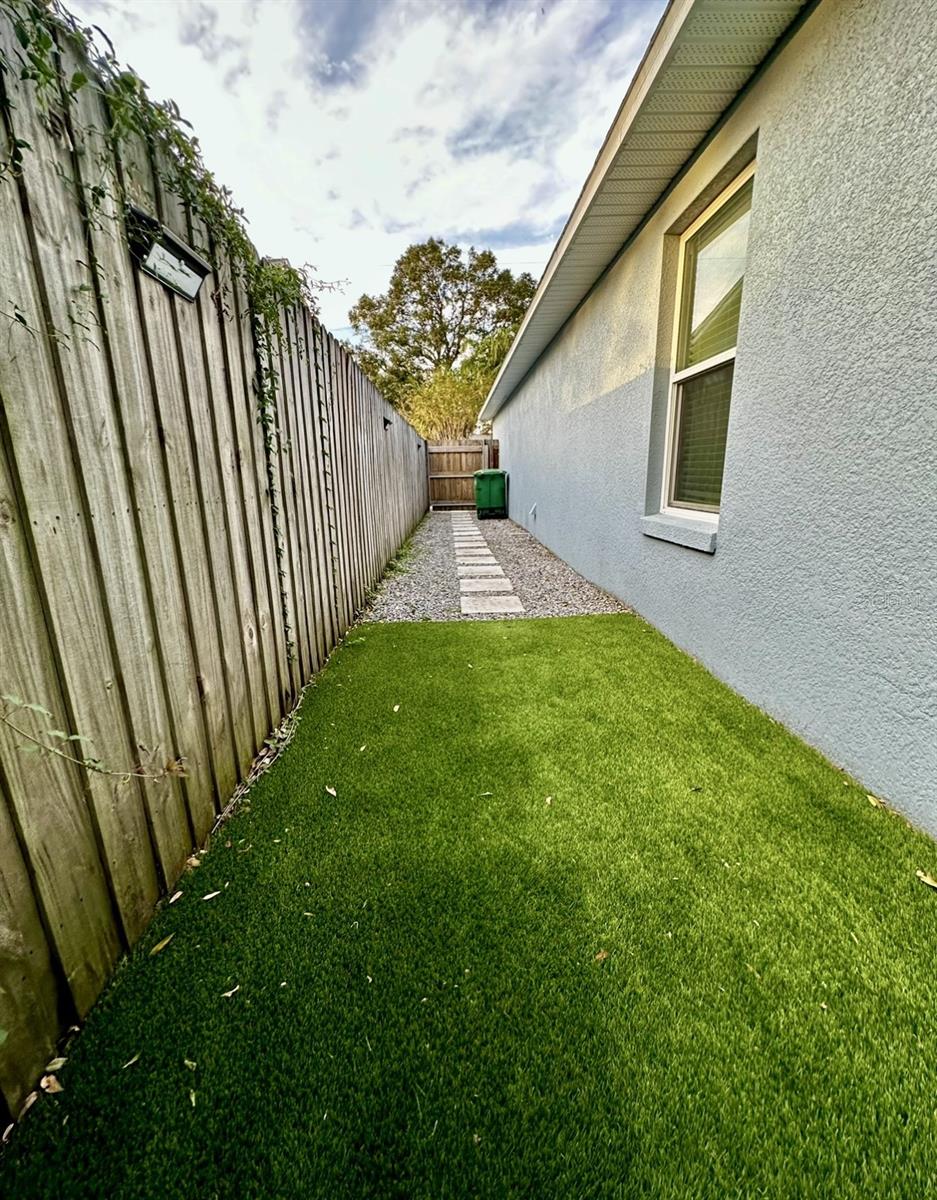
<point x="452" y="466"/>
<point x="170" y="576"/>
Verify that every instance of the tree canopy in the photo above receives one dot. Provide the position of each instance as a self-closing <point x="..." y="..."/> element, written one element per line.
<point x="440" y="307"/>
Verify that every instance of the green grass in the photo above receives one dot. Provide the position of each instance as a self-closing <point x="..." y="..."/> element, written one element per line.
<point x="705" y="968"/>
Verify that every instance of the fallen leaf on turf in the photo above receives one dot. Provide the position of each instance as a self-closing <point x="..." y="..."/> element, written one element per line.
<point x="396" y="708"/>
<point x="925" y="878"/>
<point x="6" y="1134"/>
<point x="28" y="1103"/>
<point x="192" y="1097"/>
<point x="174" y="897"/>
<point x="56" y="1064"/>
<point x="331" y="791"/>
<point x="162" y="945"/>
<point x="50" y="1084"/>
<point x="601" y="956"/>
<point x="190" y="1064"/>
<point x="130" y="1062"/>
<point x="236" y="988"/>
<point x="211" y="895"/>
<point x="549" y="800"/>
<point x="192" y="861"/>
<point x="874" y="801"/>
<point x="364" y="747"/>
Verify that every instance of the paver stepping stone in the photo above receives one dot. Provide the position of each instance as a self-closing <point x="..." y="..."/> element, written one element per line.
<point x="477" y="570"/>
<point x="473" y="551"/>
<point x="490" y="561"/>
<point x="486" y="585"/>
<point x="491" y="604"/>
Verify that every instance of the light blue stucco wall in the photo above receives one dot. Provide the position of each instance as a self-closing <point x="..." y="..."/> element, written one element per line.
<point x="820" y="601"/>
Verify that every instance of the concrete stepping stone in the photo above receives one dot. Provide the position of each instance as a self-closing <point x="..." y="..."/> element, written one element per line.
<point x="489" y="561"/>
<point x="478" y="570"/>
<point x="474" y="552"/>
<point x="486" y="585"/>
<point x="472" y="605"/>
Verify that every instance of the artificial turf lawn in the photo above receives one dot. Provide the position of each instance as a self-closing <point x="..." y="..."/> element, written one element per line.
<point x="704" y="968"/>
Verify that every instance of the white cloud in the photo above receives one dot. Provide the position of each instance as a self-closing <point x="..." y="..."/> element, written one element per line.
<point x="349" y="128"/>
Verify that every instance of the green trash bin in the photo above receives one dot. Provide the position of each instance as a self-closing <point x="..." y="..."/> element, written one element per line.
<point x="491" y="493"/>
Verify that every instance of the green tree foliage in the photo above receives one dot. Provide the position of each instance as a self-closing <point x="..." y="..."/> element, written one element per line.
<point x="440" y="306"/>
<point x="445" y="405"/>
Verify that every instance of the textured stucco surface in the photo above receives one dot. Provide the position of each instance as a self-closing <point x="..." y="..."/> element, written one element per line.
<point x="820" y="601"/>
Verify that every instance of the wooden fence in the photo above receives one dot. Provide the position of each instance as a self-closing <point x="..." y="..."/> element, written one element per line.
<point x="452" y="466"/>
<point x="168" y="579"/>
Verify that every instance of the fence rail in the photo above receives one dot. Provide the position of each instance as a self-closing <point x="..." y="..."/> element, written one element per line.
<point x="169" y="577"/>
<point x="452" y="466"/>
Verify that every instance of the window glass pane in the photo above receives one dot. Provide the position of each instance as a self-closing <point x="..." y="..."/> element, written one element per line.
<point x="714" y="266"/>
<point x="702" y="422"/>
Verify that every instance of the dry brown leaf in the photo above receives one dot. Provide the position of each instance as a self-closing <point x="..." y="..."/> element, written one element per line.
<point x="192" y="1097"/>
<point x="56" y="1064"/>
<point x="131" y="1061"/>
<point x="193" y="861"/>
<point x="7" y="1133"/>
<point x="28" y="1103"/>
<point x="174" y="897"/>
<point x="601" y="956"/>
<point x="396" y="708"/>
<point x="190" y="1064"/>
<point x="364" y="747"/>
<point x="331" y="791"/>
<point x="211" y="895"/>
<point x="874" y="800"/>
<point x="162" y="945"/>
<point x="929" y="880"/>
<point x="50" y="1084"/>
<point x="236" y="988"/>
<point x="549" y="800"/>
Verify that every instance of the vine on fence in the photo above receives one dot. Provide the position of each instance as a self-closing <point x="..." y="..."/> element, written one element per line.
<point x="41" y="29"/>
<point x="58" y="743"/>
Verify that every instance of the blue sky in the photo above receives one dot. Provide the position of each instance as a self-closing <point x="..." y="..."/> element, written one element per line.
<point x="348" y="129"/>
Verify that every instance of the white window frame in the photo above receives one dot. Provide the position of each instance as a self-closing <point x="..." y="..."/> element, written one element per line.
<point x="677" y="377"/>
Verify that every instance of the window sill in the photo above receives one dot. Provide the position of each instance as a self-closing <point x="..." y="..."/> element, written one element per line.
<point x="682" y="531"/>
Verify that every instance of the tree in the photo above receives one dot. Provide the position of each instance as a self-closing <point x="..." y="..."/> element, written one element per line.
<point x="439" y="307"/>
<point x="445" y="405"/>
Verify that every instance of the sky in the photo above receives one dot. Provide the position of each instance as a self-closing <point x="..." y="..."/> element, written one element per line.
<point x="348" y="129"/>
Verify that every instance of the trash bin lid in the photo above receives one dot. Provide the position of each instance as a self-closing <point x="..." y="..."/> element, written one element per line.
<point x="488" y="472"/>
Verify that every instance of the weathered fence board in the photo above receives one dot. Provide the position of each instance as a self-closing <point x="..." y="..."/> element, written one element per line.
<point x="159" y="553"/>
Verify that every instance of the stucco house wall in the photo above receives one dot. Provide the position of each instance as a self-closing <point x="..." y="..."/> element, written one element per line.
<point x="820" y="601"/>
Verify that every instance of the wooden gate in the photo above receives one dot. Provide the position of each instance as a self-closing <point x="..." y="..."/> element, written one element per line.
<point x="452" y="466"/>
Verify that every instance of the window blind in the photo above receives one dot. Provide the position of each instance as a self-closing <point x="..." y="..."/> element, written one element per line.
<point x="702" y="425"/>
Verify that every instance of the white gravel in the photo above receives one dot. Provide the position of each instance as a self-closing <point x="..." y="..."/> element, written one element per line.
<point x="426" y="586"/>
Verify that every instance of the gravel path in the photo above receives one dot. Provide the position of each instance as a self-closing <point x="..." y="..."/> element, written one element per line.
<point x="426" y="586"/>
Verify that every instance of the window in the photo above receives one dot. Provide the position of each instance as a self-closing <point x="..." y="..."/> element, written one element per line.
<point x="709" y="298"/>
